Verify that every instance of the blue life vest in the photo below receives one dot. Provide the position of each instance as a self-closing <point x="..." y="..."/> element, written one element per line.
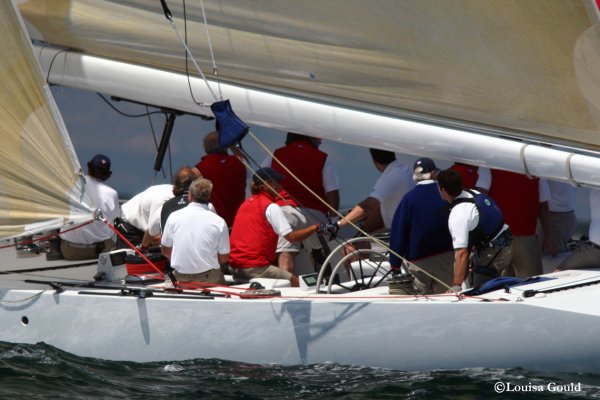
<point x="491" y="219"/>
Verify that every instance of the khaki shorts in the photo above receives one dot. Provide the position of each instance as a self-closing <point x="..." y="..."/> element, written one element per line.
<point x="586" y="255"/>
<point x="301" y="218"/>
<point x="76" y="251"/>
<point x="210" y="276"/>
<point x="269" y="271"/>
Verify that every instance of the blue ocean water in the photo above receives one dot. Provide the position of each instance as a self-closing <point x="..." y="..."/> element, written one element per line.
<point x="41" y="371"/>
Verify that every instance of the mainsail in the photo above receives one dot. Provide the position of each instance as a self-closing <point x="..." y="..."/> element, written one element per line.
<point x="521" y="71"/>
<point x="39" y="176"/>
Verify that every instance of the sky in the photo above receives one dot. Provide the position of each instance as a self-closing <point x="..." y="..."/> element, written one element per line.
<point x="94" y="127"/>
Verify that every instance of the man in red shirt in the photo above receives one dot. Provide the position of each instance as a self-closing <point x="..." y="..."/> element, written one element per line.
<point x="227" y="174"/>
<point x="310" y="167"/>
<point x="468" y="174"/>
<point x="522" y="200"/>
<point x="256" y="229"/>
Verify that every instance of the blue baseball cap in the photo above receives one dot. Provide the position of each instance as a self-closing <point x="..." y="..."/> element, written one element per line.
<point x="267" y="174"/>
<point x="100" y="162"/>
<point x="424" y="165"/>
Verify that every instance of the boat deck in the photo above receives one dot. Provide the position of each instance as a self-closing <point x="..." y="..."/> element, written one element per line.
<point x="31" y="267"/>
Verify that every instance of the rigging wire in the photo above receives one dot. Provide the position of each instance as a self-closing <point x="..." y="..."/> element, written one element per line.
<point x="169" y="17"/>
<point x="146" y="114"/>
<point x="152" y="129"/>
<point x="126" y="114"/>
<point x="212" y="54"/>
<point x="187" y="71"/>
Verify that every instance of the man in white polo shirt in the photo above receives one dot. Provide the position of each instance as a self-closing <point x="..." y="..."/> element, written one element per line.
<point x="196" y="239"/>
<point x="476" y="225"/>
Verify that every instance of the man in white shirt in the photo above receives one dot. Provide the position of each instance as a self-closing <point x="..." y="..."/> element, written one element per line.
<point x="475" y="226"/>
<point x="378" y="209"/>
<point x="95" y="238"/>
<point x="138" y="211"/>
<point x="195" y="239"/>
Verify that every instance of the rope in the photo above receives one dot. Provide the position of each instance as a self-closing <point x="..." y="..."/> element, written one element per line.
<point x="30" y="241"/>
<point x="111" y="226"/>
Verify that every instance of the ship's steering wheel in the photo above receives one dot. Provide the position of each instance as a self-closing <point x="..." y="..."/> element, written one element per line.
<point x="372" y="268"/>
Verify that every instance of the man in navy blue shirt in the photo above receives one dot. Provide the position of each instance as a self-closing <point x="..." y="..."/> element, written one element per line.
<point x="420" y="232"/>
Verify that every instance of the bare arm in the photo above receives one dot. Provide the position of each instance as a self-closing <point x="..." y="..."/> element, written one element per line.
<point x="166" y="251"/>
<point x="370" y="210"/>
<point x="150" y="240"/>
<point x="373" y="221"/>
<point x="223" y="258"/>
<point x="373" y="218"/>
<point x="355" y="215"/>
<point x="301" y="234"/>
<point x="461" y="261"/>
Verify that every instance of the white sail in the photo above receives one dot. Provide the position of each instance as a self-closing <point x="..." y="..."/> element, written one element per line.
<point x="39" y="176"/>
<point x="486" y="72"/>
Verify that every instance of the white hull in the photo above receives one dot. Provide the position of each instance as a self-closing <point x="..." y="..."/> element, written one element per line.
<point x="558" y="331"/>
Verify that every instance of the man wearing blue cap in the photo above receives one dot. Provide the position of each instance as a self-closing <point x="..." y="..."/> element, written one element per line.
<point x="95" y="238"/>
<point x="420" y="232"/>
<point x="257" y="226"/>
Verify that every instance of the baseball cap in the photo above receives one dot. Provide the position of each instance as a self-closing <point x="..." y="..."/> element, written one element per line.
<point x="267" y="174"/>
<point x="424" y="165"/>
<point x="100" y="161"/>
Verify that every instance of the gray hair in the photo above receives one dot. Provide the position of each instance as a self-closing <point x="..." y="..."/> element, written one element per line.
<point x="200" y="189"/>
<point x="422" y="176"/>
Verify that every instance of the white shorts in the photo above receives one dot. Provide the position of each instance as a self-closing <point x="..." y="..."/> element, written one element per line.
<point x="301" y="218"/>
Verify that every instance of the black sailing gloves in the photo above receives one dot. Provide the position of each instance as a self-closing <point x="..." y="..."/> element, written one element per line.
<point x="332" y="228"/>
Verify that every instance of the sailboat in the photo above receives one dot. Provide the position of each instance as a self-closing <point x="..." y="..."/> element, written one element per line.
<point x="514" y="88"/>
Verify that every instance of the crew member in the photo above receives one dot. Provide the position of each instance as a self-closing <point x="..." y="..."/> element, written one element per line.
<point x="475" y="223"/>
<point x="95" y="238"/>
